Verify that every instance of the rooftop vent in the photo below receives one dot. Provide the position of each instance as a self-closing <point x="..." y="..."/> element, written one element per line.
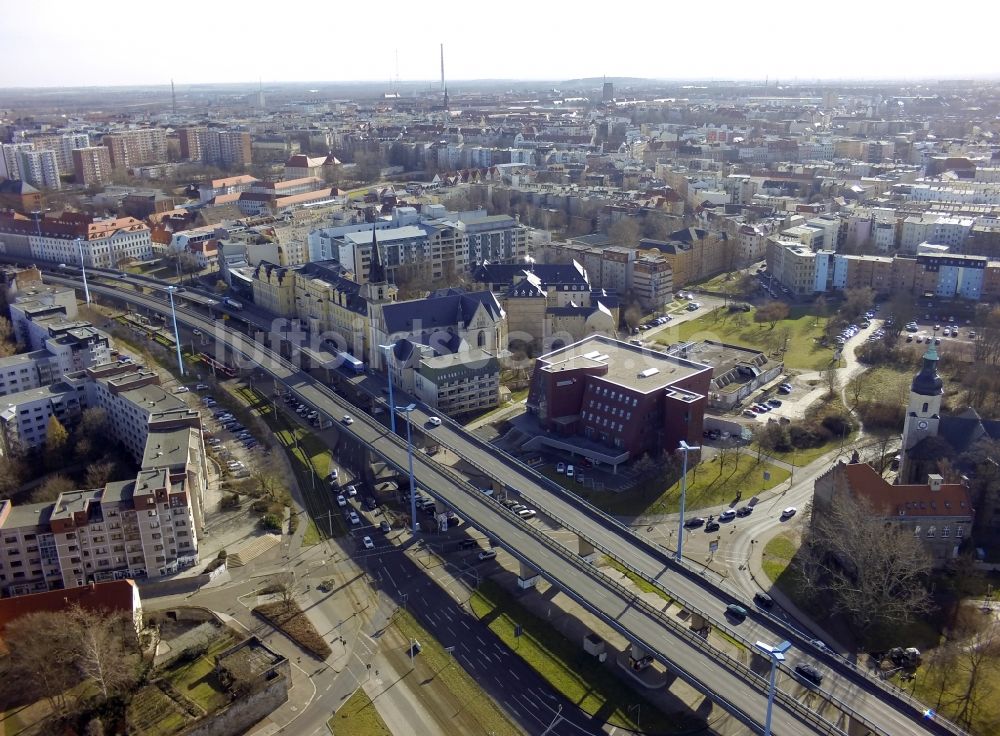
<point x="648" y="372"/>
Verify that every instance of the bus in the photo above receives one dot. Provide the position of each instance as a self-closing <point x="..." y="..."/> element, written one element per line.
<point x="232" y="303"/>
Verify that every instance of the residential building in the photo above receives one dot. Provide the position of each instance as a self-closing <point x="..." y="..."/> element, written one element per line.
<point x="694" y="254"/>
<point x="92" y="166"/>
<point x="10" y="159"/>
<point x="209" y="190"/>
<point x="228" y="149"/>
<point x="301" y="165"/>
<point x="494" y="238"/>
<point x="130" y="148"/>
<point x="65" y="351"/>
<point x="33" y="304"/>
<point x="110" y="597"/>
<point x="105" y="243"/>
<point x="652" y="282"/>
<point x="736" y="371"/>
<point x="20" y="196"/>
<point x="611" y="401"/>
<point x="939" y="514"/>
<point x="24" y="416"/>
<point x="40" y="168"/>
<point x="452" y="382"/>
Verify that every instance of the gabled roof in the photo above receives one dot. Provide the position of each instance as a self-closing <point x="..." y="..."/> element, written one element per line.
<point x="454" y="310"/>
<point x="544" y="273"/>
<point x="16" y="186"/>
<point x="916" y="499"/>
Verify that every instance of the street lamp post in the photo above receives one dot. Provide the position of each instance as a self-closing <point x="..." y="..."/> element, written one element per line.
<point x="177" y="337"/>
<point x="83" y="269"/>
<point x="685" y="448"/>
<point x="409" y="456"/>
<point x="388" y="373"/>
<point x="777" y="655"/>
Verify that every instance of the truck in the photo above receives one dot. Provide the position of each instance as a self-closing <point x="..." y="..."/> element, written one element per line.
<point x="232" y="303"/>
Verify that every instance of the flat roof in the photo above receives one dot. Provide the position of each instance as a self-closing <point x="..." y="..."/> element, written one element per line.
<point x="166" y="447"/>
<point x="638" y="369"/>
<point x="722" y="357"/>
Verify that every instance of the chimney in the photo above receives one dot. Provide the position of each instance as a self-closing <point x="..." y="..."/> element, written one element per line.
<point x="934" y="481"/>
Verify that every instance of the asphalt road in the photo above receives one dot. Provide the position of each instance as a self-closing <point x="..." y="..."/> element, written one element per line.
<point x="593" y="590"/>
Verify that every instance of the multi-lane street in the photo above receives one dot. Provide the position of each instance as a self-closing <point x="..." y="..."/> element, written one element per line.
<point x="735" y="688"/>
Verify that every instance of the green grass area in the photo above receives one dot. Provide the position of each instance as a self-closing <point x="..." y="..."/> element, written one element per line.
<point x="565" y="666"/>
<point x="152" y="713"/>
<point x="641" y="583"/>
<point x="802" y="328"/>
<point x="778" y="554"/>
<point x="711" y="483"/>
<point x="881" y="383"/>
<point x="358" y="717"/>
<point x="311" y="535"/>
<point x="309" y="457"/>
<point x="196" y="680"/>
<point x="466" y="691"/>
<point x="944" y="686"/>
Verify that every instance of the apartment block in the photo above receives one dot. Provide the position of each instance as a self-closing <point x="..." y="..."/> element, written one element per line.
<point x="62" y="145"/>
<point x="92" y="166"/>
<point x="131" y="148"/>
<point x="694" y="254"/>
<point x="225" y="148"/>
<point x="453" y="383"/>
<point x="24" y="416"/>
<point x="59" y="239"/>
<point x="652" y="281"/>
<point x="40" y="168"/>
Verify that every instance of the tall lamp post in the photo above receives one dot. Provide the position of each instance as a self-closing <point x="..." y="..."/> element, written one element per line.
<point x="777" y="655"/>
<point x="83" y="269"/>
<point x="409" y="456"/>
<point x="177" y="337"/>
<point x="388" y="373"/>
<point x="685" y="448"/>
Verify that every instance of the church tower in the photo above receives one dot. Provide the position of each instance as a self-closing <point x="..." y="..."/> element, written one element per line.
<point x="923" y="411"/>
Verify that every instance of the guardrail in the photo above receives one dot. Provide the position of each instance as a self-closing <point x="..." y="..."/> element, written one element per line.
<point x="237" y="341"/>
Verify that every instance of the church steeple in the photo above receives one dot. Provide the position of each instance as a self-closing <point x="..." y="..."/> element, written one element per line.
<point x="376" y="271"/>
<point x="927" y="382"/>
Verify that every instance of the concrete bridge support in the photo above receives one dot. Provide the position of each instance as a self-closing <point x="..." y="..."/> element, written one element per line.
<point x="527" y="577"/>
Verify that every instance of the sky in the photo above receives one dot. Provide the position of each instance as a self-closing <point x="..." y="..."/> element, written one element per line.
<point x="57" y="43"/>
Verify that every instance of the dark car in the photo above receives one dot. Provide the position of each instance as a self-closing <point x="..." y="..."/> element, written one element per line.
<point x="468" y="543"/>
<point x="712" y="526"/>
<point x="694" y="523"/>
<point x="736" y="611"/>
<point x="809" y="673"/>
<point x="744" y="511"/>
<point x="385" y="526"/>
<point x="763" y="599"/>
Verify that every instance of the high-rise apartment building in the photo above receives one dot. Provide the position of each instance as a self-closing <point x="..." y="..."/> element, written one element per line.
<point x="226" y="148"/>
<point x="92" y="166"/>
<point x="136" y="147"/>
<point x="23" y="161"/>
<point x="62" y="146"/>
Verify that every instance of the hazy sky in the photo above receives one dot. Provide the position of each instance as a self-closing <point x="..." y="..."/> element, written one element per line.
<point x="62" y="43"/>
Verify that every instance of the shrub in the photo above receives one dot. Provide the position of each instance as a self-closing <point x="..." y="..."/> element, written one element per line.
<point x="230" y="501"/>
<point x="260" y="506"/>
<point x="222" y="554"/>
<point x="837" y="424"/>
<point x="271" y="522"/>
<point x="804" y="436"/>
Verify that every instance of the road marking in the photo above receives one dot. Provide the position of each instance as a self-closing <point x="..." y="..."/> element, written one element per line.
<point x="514" y="675"/>
<point x="481" y="640"/>
<point x="514" y="710"/>
<point x="465" y="624"/>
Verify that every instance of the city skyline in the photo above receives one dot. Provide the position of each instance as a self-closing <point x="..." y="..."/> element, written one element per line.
<point x="778" y="43"/>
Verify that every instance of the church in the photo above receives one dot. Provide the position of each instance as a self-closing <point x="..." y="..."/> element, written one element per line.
<point x="929" y="436"/>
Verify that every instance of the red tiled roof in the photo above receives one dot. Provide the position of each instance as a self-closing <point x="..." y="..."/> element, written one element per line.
<point x="907" y="500"/>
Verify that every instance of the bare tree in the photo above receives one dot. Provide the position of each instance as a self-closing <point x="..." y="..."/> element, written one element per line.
<point x="51" y="487"/>
<point x="41" y="658"/>
<point x="978" y="656"/>
<point x="832" y="383"/>
<point x="772" y="313"/>
<point x="871" y="571"/>
<point x="101" y="648"/>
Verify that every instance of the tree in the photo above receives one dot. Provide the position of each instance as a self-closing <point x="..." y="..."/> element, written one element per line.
<point x="772" y="313"/>
<point x="8" y="344"/>
<point x="94" y="423"/>
<point x="821" y="308"/>
<point x="40" y="659"/>
<point x="102" y="650"/>
<point x="99" y="473"/>
<point x="56" y="440"/>
<point x="857" y="301"/>
<point x="51" y="487"/>
<point x="625" y="232"/>
<point x="12" y="472"/>
<point x="830" y="378"/>
<point x="872" y="571"/>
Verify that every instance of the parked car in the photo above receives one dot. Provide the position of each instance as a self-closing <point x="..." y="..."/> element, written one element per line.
<point x="569" y="471"/>
<point x="712" y="526"/>
<point x="560" y="468"/>
<point x="385" y="526"/>
<point x="341" y="501"/>
<point x="694" y="523"/>
<point x="727" y="515"/>
<point x="487" y="554"/>
<point x="774" y="403"/>
<point x="367" y="541"/>
<point x="181" y="390"/>
<point x="353" y="516"/>
<point x="201" y="387"/>
<point x="744" y="511"/>
<point x="749" y="413"/>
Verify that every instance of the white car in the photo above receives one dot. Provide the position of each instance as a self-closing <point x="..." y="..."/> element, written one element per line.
<point x="560" y="468"/>
<point x="789" y="512"/>
<point x="434" y="421"/>
<point x="569" y="471"/>
<point x="727" y="515"/>
<point x="181" y="390"/>
<point x="341" y="501"/>
<point x="527" y="513"/>
<point x="353" y="516"/>
<point x="333" y="475"/>
<point x="352" y="491"/>
<point x="367" y="541"/>
<point x="348" y="419"/>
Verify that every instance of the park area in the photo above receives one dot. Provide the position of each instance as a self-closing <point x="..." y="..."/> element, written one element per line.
<point x="794" y="339"/>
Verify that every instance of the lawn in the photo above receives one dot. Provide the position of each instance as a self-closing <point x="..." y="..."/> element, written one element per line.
<point x="466" y="691"/>
<point x="944" y="687"/>
<point x="641" y="583"/>
<point x="359" y="718"/>
<point x="312" y="534"/>
<point x="565" y="666"/>
<point x="152" y="713"/>
<point x="802" y="329"/>
<point x="778" y="554"/>
<point x="711" y="483"/>
<point x="196" y="680"/>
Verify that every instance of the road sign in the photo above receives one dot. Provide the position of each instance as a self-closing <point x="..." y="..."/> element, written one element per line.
<point x="713" y="546"/>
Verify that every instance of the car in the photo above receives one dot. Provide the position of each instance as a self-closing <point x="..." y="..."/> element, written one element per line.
<point x="487" y="554"/>
<point x="727" y="515"/>
<point x="774" y="403"/>
<point x="312" y="415"/>
<point x="202" y="387"/>
<point x="560" y="468"/>
<point x="352" y="491"/>
<point x="912" y="328"/>
<point x="736" y="611"/>
<point x="517" y="507"/>
<point x="763" y="599"/>
<point x="820" y="645"/>
<point x="569" y="471"/>
<point x="527" y="513"/>
<point x="434" y="421"/>
<point x="809" y="673"/>
<point x="181" y="390"/>
<point x="367" y="541"/>
<point x="937" y="340"/>
<point x="712" y="526"/>
<point x="384" y="526"/>
<point x="920" y="339"/>
<point x="333" y="475"/>
<point x="355" y="519"/>
<point x="196" y="333"/>
<point x="347" y="419"/>
<point x="250" y="443"/>
<point x="749" y="413"/>
<point x="468" y="543"/>
<point x="744" y="511"/>
<point x="341" y="501"/>
<point x="972" y="334"/>
<point x="694" y="523"/>
<point x="909" y="338"/>
<point x="946" y="332"/>
<point x="789" y="512"/>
